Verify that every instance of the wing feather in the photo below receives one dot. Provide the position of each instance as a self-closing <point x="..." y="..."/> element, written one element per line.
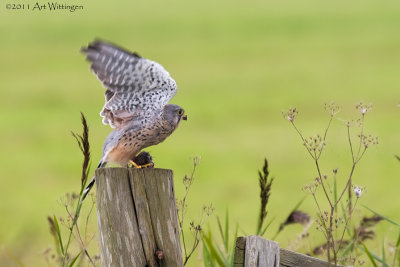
<point x="135" y="86"/>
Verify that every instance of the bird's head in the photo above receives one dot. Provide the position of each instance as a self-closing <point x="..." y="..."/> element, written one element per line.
<point x="174" y="114"/>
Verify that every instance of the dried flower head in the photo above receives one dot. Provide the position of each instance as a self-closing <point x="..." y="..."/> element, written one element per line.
<point x="208" y="210"/>
<point x="332" y="108"/>
<point x="290" y="114"/>
<point x="353" y="123"/>
<point x="311" y="188"/>
<point x="357" y="191"/>
<point x="315" y="143"/>
<point x="368" y="140"/>
<point x="187" y="181"/>
<point x="196" y="160"/>
<point x="363" y="108"/>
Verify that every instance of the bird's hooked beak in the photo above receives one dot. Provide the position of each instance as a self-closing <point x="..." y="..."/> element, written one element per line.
<point x="184" y="117"/>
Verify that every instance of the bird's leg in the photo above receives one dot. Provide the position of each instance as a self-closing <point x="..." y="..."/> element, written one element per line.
<point x="134" y="164"/>
<point x="148" y="165"/>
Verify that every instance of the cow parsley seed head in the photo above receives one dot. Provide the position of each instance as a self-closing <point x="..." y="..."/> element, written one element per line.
<point x="368" y="140"/>
<point x="363" y="108"/>
<point x="290" y="114"/>
<point x="357" y="191"/>
<point x="332" y="108"/>
<point x="315" y="143"/>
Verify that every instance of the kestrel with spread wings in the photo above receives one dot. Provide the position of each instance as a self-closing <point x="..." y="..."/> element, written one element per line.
<point x="136" y="102"/>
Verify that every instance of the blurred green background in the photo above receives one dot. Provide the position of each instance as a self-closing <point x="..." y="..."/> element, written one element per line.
<point x="238" y="65"/>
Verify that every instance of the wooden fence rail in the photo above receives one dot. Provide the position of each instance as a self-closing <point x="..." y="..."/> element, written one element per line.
<point x="255" y="251"/>
<point x="137" y="218"/>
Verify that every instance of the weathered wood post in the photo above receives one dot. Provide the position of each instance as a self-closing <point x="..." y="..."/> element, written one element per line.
<point x="137" y="218"/>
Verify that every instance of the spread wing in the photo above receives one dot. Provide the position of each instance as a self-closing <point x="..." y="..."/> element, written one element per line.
<point x="136" y="87"/>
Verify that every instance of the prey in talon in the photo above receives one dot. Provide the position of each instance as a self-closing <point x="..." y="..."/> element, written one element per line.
<point x="137" y="97"/>
<point x="143" y="160"/>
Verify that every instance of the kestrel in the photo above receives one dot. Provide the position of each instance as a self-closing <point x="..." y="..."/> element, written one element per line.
<point x="136" y="102"/>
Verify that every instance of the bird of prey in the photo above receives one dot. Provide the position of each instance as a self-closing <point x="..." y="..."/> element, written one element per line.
<point x="136" y="103"/>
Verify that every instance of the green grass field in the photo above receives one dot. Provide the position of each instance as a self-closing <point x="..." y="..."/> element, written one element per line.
<point x="237" y="64"/>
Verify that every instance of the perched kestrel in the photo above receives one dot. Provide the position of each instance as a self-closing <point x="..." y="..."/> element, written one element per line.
<point x="136" y="102"/>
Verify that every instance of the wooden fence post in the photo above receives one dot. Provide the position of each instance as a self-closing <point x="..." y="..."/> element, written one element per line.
<point x="137" y="218"/>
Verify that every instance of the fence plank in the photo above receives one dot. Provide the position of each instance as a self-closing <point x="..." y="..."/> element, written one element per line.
<point x="143" y="217"/>
<point x="160" y="194"/>
<point x="136" y="217"/>
<point x="120" y="243"/>
<point x="294" y="259"/>
<point x="255" y="251"/>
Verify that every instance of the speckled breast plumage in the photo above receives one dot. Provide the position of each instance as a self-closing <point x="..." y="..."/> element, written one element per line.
<point x="131" y="140"/>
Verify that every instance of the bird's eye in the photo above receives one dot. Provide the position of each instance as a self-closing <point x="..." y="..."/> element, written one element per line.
<point x="180" y="112"/>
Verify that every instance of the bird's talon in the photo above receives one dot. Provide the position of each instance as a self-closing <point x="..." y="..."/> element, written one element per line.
<point x="135" y="165"/>
<point x="148" y="165"/>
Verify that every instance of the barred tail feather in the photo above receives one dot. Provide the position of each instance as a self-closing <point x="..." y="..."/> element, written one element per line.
<point x="92" y="182"/>
<point x="87" y="189"/>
